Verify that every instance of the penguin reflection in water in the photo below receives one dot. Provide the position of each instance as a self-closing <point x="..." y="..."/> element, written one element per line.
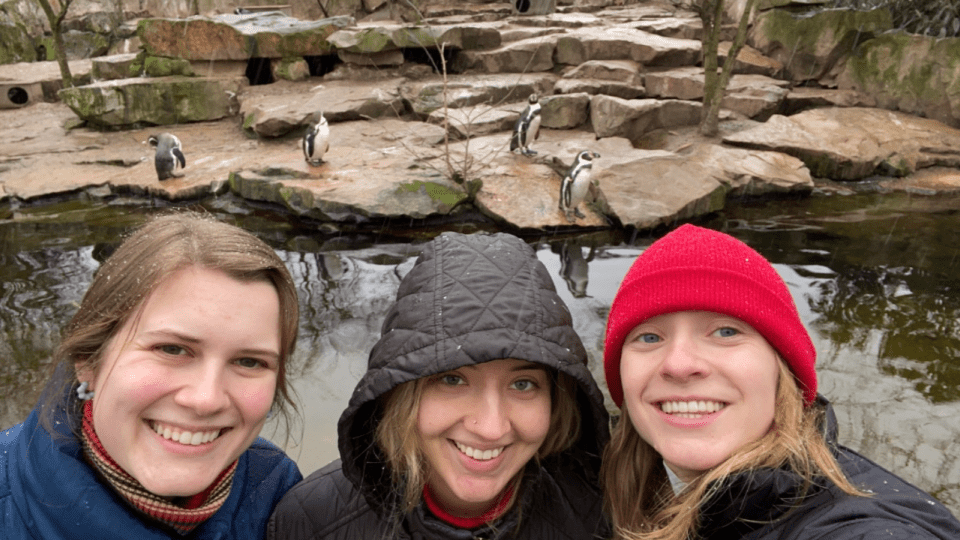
<point x="576" y="183"/>
<point x="527" y="128"/>
<point x="316" y="141"/>
<point x="169" y="156"/>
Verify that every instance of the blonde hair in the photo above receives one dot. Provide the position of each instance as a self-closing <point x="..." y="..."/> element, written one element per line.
<point x="155" y="251"/>
<point x="398" y="439"/>
<point x="641" y="502"/>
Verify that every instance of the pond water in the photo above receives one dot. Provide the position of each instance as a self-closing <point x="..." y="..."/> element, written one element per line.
<point x="876" y="277"/>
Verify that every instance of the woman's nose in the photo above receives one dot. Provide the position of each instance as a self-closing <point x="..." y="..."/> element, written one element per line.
<point x="488" y="418"/>
<point x="684" y="358"/>
<point x="204" y="390"/>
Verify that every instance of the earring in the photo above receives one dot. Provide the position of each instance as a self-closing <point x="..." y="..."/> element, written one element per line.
<point x="82" y="391"/>
<point x="270" y="413"/>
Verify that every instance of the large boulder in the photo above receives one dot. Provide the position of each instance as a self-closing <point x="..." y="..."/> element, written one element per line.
<point x="428" y="95"/>
<point x="292" y="106"/>
<point x="647" y="188"/>
<point x="854" y="143"/>
<point x="810" y="44"/>
<point x="634" y="118"/>
<point x="524" y="56"/>
<point x="238" y="37"/>
<point x="619" y="43"/>
<point x="154" y="101"/>
<point x="915" y="74"/>
<point x="365" y="39"/>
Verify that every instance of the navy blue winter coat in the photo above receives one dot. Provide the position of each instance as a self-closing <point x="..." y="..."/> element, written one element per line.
<point x="49" y="492"/>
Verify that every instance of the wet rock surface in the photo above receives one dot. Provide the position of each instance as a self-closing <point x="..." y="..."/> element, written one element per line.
<point x="408" y="143"/>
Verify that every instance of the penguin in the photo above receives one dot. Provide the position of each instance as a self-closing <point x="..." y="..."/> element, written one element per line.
<point x="316" y="141"/>
<point x="169" y="156"/>
<point x="527" y="128"/>
<point x="573" y="188"/>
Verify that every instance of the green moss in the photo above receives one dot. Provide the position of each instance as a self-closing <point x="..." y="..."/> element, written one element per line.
<point x="371" y="41"/>
<point x="159" y="66"/>
<point x="898" y="66"/>
<point x="292" y="69"/>
<point x="437" y="192"/>
<point x="248" y="122"/>
<point x="802" y="35"/>
<point x="136" y="68"/>
<point x="16" y="44"/>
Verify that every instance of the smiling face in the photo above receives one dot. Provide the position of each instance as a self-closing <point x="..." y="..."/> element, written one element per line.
<point x="479" y="426"/>
<point x="186" y="383"/>
<point x="698" y="386"/>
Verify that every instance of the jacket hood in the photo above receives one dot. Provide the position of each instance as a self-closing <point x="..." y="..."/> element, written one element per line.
<point x="467" y="300"/>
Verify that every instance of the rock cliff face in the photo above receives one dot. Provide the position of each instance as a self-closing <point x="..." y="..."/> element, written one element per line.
<point x="421" y="114"/>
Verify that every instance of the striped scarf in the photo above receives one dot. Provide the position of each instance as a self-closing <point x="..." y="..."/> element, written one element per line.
<point x="183" y="517"/>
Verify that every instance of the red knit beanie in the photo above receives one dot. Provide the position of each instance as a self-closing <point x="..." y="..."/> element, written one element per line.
<point x="696" y="269"/>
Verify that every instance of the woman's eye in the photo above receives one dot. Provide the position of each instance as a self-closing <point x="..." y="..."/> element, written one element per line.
<point x="648" y="338"/>
<point x="250" y="363"/>
<point x="172" y="350"/>
<point x="726" y="331"/>
<point x="524" y="385"/>
<point x="451" y="380"/>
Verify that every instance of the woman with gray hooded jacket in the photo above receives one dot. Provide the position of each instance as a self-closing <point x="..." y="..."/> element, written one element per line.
<point x="477" y="416"/>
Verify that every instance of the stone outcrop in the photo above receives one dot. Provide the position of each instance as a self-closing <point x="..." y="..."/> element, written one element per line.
<point x="238" y="37"/>
<point x="809" y="44"/>
<point x="854" y="143"/>
<point x="914" y="74"/>
<point x="159" y="101"/>
<point x="634" y="118"/>
<point x="289" y="108"/>
<point x="624" y="82"/>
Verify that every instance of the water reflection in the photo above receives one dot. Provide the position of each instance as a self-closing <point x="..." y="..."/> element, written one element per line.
<point x="875" y="278"/>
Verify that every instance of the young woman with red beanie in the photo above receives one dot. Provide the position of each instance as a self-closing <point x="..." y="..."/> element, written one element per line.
<point x="722" y="433"/>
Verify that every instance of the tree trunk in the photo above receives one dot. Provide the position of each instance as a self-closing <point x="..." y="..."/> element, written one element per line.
<point x="56" y="20"/>
<point x="714" y="82"/>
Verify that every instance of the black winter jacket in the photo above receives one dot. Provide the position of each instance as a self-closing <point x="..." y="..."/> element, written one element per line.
<point x="760" y="505"/>
<point x="467" y="300"/>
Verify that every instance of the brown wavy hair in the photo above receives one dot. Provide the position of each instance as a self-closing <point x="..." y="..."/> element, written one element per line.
<point x="150" y="255"/>
<point x="640" y="500"/>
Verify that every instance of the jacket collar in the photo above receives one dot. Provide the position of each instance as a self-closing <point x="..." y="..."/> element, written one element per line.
<point x="58" y="495"/>
<point x="751" y="499"/>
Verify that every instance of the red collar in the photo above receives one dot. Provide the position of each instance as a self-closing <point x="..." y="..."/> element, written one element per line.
<point x="470" y="522"/>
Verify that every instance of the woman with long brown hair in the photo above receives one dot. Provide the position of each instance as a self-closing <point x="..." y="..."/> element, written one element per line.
<point x="149" y="427"/>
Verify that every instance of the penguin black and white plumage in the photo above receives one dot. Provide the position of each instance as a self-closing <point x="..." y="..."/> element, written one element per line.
<point x="576" y="183"/>
<point x="316" y="141"/>
<point x="169" y="156"/>
<point x="527" y="128"/>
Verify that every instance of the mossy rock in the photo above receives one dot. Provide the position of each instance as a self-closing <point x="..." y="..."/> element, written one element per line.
<point x="160" y="66"/>
<point x="809" y="45"/>
<point x="16" y="45"/>
<point x="162" y="101"/>
<point x="291" y="69"/>
<point x="915" y="74"/>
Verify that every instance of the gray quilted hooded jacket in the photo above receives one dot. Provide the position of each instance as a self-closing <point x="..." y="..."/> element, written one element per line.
<point x="467" y="300"/>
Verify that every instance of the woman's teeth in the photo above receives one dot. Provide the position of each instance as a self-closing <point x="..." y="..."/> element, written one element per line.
<point x="690" y="409"/>
<point x="192" y="438"/>
<point x="479" y="455"/>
